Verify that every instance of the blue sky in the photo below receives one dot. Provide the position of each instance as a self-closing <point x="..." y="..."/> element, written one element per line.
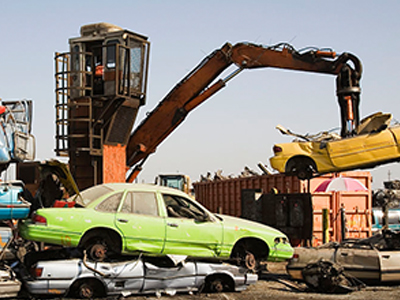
<point x="236" y="127"/>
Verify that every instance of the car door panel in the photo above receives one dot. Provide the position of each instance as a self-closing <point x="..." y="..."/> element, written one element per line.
<point x="141" y="232"/>
<point x="189" y="230"/>
<point x="189" y="236"/>
<point x="142" y="227"/>
<point x="361" y="263"/>
<point x="390" y="267"/>
<point x="363" y="149"/>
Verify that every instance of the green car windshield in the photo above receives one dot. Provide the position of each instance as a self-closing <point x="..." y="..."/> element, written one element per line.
<point x="90" y="194"/>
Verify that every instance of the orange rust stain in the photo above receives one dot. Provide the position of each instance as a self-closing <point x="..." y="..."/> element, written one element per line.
<point x="114" y="163"/>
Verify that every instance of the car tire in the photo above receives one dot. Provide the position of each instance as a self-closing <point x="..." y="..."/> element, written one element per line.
<point x="302" y="167"/>
<point x="219" y="283"/>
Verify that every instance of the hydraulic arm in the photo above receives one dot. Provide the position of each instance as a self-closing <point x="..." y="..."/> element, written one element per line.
<point x="196" y="87"/>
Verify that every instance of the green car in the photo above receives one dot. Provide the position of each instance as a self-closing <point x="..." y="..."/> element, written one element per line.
<point x="138" y="218"/>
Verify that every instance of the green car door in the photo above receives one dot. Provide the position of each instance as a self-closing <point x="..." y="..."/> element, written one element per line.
<point x="190" y="230"/>
<point x="139" y="221"/>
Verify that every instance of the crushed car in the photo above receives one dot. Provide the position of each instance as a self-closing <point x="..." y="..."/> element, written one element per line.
<point x="9" y="284"/>
<point x="374" y="143"/>
<point x="125" y="218"/>
<point x="372" y="260"/>
<point x="80" y="278"/>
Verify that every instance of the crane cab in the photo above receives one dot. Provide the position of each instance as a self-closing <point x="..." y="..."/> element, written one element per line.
<point x="100" y="86"/>
<point x="107" y="61"/>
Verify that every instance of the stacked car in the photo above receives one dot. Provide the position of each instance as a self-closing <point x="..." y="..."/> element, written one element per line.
<point x="138" y="239"/>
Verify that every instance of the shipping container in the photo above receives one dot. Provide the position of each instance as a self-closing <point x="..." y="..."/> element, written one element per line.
<point x="224" y="196"/>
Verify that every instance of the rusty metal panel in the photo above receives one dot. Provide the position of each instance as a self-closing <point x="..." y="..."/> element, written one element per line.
<point x="358" y="213"/>
<point x="225" y="195"/>
<point x="358" y="209"/>
<point x="321" y="201"/>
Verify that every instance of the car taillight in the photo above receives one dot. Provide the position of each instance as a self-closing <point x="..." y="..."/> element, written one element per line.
<point x="39" y="219"/>
<point x="277" y="149"/>
<point x="36" y="272"/>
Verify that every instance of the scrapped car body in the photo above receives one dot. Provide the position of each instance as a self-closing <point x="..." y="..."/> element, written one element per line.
<point x="83" y="279"/>
<point x="139" y="218"/>
<point x="372" y="260"/>
<point x="327" y="155"/>
<point x="9" y="284"/>
<point x="12" y="204"/>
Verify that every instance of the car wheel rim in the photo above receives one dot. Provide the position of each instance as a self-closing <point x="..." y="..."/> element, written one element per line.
<point x="217" y="286"/>
<point x="250" y="261"/>
<point x="98" y="252"/>
<point x="86" y="291"/>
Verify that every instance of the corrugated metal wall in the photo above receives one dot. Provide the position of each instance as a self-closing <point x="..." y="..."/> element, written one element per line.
<point x="223" y="196"/>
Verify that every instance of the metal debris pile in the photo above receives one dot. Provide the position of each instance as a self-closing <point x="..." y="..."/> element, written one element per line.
<point x="389" y="196"/>
<point x="328" y="277"/>
<point x="247" y="172"/>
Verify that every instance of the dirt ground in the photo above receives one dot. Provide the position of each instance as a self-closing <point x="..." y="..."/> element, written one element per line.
<point x="275" y="285"/>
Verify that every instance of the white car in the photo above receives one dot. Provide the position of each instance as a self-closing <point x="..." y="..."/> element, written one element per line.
<point x="83" y="279"/>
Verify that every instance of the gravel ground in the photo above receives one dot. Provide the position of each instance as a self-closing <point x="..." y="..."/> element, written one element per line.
<point x="276" y="285"/>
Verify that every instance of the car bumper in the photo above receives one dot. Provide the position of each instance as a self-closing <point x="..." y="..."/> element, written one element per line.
<point x="281" y="252"/>
<point x="278" y="163"/>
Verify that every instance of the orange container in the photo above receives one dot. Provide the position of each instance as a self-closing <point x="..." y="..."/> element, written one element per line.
<point x="358" y="214"/>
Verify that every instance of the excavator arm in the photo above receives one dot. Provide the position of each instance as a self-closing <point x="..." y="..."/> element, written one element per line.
<point x="196" y="88"/>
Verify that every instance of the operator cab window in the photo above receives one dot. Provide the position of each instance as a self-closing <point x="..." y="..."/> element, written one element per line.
<point x="179" y="207"/>
<point x="111" y="54"/>
<point x="142" y="203"/>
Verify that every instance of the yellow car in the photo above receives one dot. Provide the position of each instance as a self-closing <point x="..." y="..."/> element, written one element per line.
<point x="369" y="147"/>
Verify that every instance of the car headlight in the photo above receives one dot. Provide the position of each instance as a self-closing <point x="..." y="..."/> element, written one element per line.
<point x="281" y="239"/>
